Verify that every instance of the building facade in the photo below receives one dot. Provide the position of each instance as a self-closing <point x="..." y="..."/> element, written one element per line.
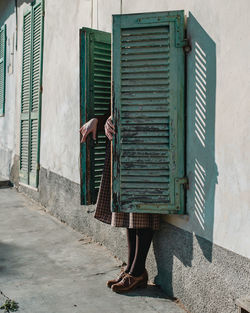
<point x="202" y="257"/>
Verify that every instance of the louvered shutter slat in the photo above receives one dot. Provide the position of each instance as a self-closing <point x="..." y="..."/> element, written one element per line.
<point x="96" y="81"/>
<point x="101" y="75"/>
<point x="148" y="108"/>
<point x="25" y="98"/>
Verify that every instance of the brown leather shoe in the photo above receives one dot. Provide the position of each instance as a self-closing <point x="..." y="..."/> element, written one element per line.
<point x="116" y="280"/>
<point x="130" y="282"/>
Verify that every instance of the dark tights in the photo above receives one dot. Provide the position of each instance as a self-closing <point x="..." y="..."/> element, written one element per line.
<point x="139" y="241"/>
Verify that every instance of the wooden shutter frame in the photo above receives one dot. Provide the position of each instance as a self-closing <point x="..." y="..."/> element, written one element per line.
<point x="83" y="119"/>
<point x="3" y="78"/>
<point x="175" y="20"/>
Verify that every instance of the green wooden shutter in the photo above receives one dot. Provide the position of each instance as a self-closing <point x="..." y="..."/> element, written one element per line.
<point x="36" y="89"/>
<point x="148" y="111"/>
<point x="31" y="93"/>
<point x="95" y="80"/>
<point x="25" y="98"/>
<point x="2" y="67"/>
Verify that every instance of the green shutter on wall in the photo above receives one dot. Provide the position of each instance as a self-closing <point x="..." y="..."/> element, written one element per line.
<point x="25" y="98"/>
<point x="2" y="67"/>
<point x="31" y="93"/>
<point x="95" y="80"/>
<point x="36" y="89"/>
<point x="148" y="111"/>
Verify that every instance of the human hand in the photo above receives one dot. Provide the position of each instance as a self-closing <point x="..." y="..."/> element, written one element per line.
<point x="87" y="128"/>
<point x="109" y="128"/>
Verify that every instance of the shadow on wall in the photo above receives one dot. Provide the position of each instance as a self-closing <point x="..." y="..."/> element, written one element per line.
<point x="201" y="167"/>
<point x="20" y="2"/>
<point x="7" y="8"/>
<point x="172" y="246"/>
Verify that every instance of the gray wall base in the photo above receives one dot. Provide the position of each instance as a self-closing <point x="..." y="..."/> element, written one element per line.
<point x="6" y="162"/>
<point x="205" y="277"/>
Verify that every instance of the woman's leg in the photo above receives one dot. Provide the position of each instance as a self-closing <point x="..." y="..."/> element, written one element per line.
<point x="144" y="237"/>
<point x="139" y="241"/>
<point x="131" y="239"/>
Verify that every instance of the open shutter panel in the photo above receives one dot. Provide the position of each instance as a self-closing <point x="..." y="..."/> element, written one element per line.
<point x="25" y="98"/>
<point x="2" y="67"/>
<point x="148" y="110"/>
<point x="96" y="94"/>
<point x="37" y="42"/>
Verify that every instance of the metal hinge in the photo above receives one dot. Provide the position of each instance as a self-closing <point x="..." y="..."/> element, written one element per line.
<point x="187" y="46"/>
<point x="38" y="166"/>
<point x="183" y="181"/>
<point x="41" y="89"/>
<point x="43" y="13"/>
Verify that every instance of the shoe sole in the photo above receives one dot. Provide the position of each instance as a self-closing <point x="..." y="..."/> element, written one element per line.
<point x="139" y="286"/>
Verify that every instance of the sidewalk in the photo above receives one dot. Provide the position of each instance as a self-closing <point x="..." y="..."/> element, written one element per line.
<point x="49" y="268"/>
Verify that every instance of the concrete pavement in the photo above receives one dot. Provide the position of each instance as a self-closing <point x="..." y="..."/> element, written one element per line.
<point x="47" y="267"/>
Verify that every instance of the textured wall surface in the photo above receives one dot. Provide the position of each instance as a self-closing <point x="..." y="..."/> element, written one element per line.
<point x="60" y="140"/>
<point x="203" y="283"/>
<point x="7" y="122"/>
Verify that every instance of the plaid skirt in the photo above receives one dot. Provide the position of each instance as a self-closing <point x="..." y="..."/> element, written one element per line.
<point x="103" y="205"/>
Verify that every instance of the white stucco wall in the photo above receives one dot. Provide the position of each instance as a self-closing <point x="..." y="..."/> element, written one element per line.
<point x="60" y="141"/>
<point x="7" y="122"/>
<point x="60" y="99"/>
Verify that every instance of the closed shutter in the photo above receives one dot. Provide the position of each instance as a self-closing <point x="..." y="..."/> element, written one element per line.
<point x="31" y="94"/>
<point x="25" y="98"/>
<point x="95" y="101"/>
<point x="2" y="68"/>
<point x="36" y="85"/>
<point x="148" y="110"/>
